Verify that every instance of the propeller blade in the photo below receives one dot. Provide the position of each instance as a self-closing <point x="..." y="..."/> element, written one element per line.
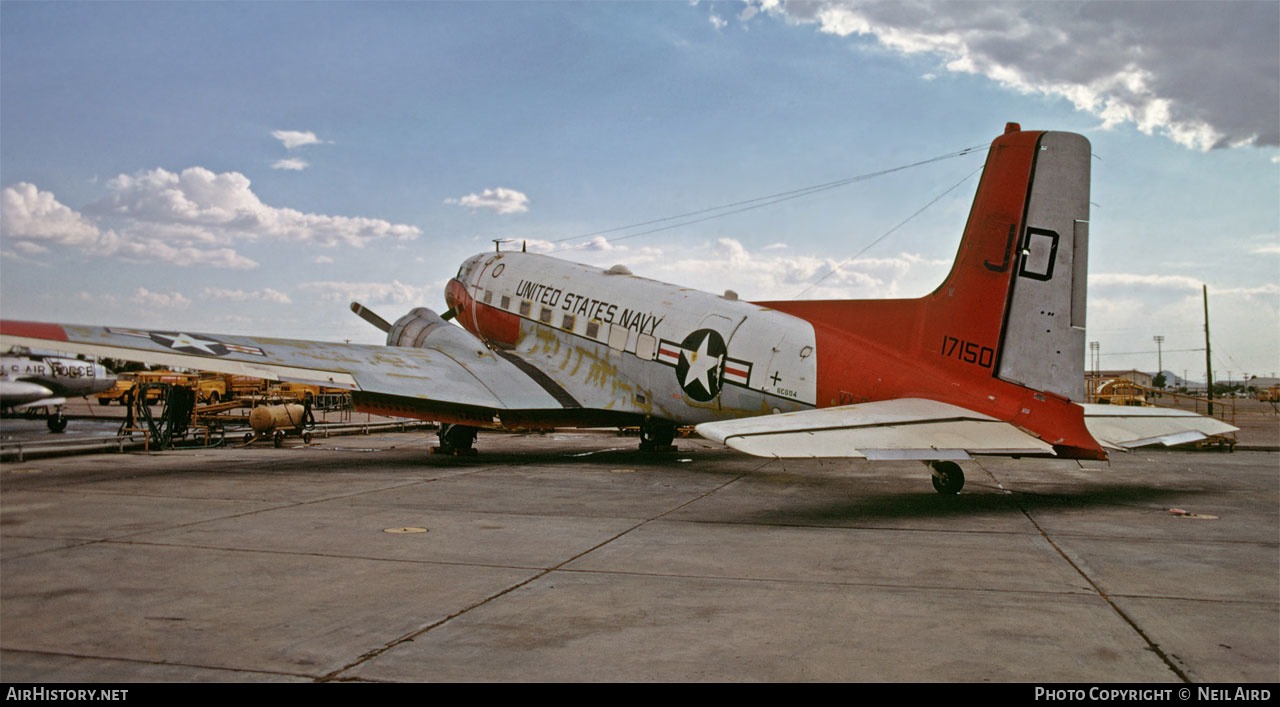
<point x="369" y="316"/>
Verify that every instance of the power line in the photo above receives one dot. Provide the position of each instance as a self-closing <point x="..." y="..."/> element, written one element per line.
<point x="759" y="201"/>
<point x="1135" y="353"/>
<point x="919" y="211"/>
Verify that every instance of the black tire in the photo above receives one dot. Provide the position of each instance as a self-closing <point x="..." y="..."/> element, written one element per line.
<point x="947" y="478"/>
<point x="656" y="435"/>
<point x="457" y="439"/>
<point x="56" y="422"/>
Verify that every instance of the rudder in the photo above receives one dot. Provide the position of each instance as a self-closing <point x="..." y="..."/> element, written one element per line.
<point x="1043" y="336"/>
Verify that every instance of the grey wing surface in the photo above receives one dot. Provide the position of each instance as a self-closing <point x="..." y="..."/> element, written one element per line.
<point x="442" y="382"/>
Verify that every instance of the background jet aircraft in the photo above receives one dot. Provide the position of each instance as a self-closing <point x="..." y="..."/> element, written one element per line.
<point x="47" y="381"/>
<point x="991" y="362"/>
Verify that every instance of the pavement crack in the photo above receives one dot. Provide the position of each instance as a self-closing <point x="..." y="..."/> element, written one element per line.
<point x="336" y="675"/>
<point x="1133" y="624"/>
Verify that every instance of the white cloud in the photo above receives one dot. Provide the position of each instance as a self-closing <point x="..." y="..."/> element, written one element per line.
<point x="199" y="205"/>
<point x="718" y="22"/>
<point x="264" y="295"/>
<point x="766" y="274"/>
<point x="293" y="139"/>
<point x="372" y="293"/>
<point x="29" y="248"/>
<point x="34" y="215"/>
<point x="1172" y="282"/>
<point x="291" y="163"/>
<point x="1123" y="62"/>
<point x="501" y="200"/>
<point x="187" y="218"/>
<point x="322" y="259"/>
<point x="1266" y="250"/>
<point x="166" y="300"/>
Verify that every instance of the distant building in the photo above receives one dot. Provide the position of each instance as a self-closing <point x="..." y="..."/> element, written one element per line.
<point x="1134" y="375"/>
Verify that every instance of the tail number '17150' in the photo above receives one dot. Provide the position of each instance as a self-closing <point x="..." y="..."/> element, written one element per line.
<point x="967" y="351"/>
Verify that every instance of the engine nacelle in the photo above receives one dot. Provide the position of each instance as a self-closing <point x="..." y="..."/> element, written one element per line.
<point x="422" y="328"/>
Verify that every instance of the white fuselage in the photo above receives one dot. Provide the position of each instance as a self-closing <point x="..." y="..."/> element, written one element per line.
<point x="48" y="380"/>
<point x="623" y="343"/>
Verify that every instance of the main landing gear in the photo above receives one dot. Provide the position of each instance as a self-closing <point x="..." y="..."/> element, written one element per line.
<point x="948" y="479"/>
<point x="657" y="436"/>
<point x="456" y="440"/>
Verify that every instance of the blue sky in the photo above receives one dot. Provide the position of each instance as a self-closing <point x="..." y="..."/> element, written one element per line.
<point x="250" y="168"/>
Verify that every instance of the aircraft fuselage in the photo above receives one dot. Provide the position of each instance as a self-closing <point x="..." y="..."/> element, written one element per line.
<point x="613" y="341"/>
<point x="25" y="380"/>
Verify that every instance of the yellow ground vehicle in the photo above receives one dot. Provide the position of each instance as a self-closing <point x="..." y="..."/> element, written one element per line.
<point x="126" y="382"/>
<point x="218" y="387"/>
<point x="1121" y="391"/>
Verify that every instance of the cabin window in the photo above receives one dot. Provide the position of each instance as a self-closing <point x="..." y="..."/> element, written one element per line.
<point x="645" y="346"/>
<point x="593" y="329"/>
<point x="488" y="296"/>
<point x="618" y="337"/>
<point x="506" y="302"/>
<point x="545" y="315"/>
<point x="525" y="307"/>
<point x="568" y="322"/>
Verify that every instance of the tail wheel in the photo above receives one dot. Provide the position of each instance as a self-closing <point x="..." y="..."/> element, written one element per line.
<point x="948" y="479"/>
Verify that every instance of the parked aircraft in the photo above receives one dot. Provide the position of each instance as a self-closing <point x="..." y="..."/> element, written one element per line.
<point x="47" y="381"/>
<point x="991" y="362"/>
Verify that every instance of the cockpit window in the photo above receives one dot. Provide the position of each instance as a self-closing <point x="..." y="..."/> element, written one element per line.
<point x="464" y="272"/>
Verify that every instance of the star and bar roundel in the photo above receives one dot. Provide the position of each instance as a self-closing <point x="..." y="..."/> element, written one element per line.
<point x="702" y="364"/>
<point x="190" y="343"/>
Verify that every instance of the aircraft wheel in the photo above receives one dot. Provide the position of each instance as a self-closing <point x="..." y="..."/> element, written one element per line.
<point x="248" y="437"/>
<point x="104" y="401"/>
<point x="306" y="438"/>
<point x="656" y="435"/>
<point x="278" y="438"/>
<point x="948" y="479"/>
<point x="56" y="422"/>
<point x="457" y="439"/>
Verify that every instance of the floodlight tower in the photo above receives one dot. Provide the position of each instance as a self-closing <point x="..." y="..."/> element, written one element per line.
<point x="1159" y="354"/>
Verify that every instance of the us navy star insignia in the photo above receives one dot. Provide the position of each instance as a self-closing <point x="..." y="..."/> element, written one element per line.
<point x="700" y="368"/>
<point x="190" y="343"/>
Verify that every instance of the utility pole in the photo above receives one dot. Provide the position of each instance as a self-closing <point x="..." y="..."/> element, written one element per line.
<point x="1093" y="365"/>
<point x="1159" y="353"/>
<point x="1208" y="356"/>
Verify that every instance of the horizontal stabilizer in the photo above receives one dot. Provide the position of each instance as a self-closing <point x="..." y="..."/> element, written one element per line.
<point x="1124" y="427"/>
<point x="909" y="428"/>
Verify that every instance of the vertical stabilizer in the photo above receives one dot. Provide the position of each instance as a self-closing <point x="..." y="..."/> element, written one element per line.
<point x="1043" y="338"/>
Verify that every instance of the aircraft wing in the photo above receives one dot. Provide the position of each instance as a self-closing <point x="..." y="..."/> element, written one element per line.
<point x="469" y="380"/>
<point x="910" y="428"/>
<point x="1124" y="427"/>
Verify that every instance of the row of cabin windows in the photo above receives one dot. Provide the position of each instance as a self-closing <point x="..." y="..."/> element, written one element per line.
<point x="646" y="344"/>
